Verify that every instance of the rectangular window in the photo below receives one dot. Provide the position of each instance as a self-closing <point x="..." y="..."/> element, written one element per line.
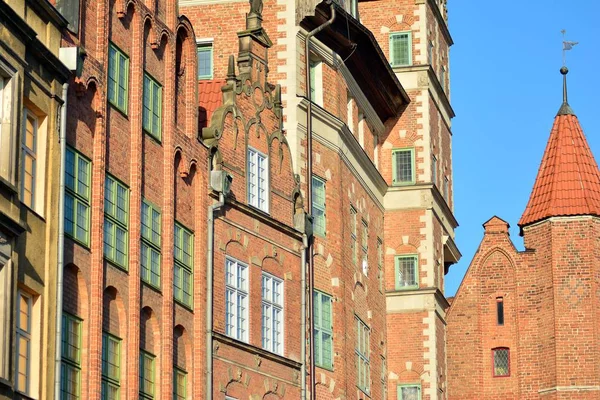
<point x="313" y="80"/>
<point x="24" y="342"/>
<point x="151" y="239"/>
<point x="434" y="168"/>
<point x="353" y="235"/>
<point x="403" y="166"/>
<point x="70" y="387"/>
<point x="111" y="370"/>
<point x="184" y="265"/>
<point x="500" y="310"/>
<point x="77" y="196"/>
<point x="69" y="9"/>
<point x="236" y="299"/>
<point x="365" y="236"/>
<point x="406" y="272"/>
<point x="118" y="78"/>
<point x="501" y="362"/>
<point x="380" y="263"/>
<point x="409" y="392"/>
<point x="323" y="329"/>
<point x="400" y="49"/>
<point x="363" y="335"/>
<point x="430" y="52"/>
<point x="446" y="188"/>
<point x="258" y="180"/>
<point x="272" y="313"/>
<point x="116" y="221"/>
<point x="147" y="378"/>
<point x="29" y="158"/>
<point x="179" y="384"/>
<point x="318" y="206"/>
<point x="152" y="109"/>
<point x="205" y="60"/>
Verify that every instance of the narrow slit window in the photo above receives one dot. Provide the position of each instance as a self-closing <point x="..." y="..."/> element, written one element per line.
<point x="500" y="310"/>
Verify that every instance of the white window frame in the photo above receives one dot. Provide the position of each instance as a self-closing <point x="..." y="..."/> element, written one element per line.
<point x="236" y="292"/>
<point x="254" y="156"/>
<point x="32" y="337"/>
<point x="27" y="336"/>
<point x="316" y="81"/>
<point x="32" y="153"/>
<point x="272" y="313"/>
<point x="8" y="124"/>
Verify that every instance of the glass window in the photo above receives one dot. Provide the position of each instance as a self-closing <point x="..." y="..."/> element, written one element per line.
<point x="116" y="221"/>
<point x="409" y="392"/>
<point x="403" y="166"/>
<point x="77" y="196"/>
<point x="150" y="249"/>
<point x="236" y="299"/>
<point x="258" y="180"/>
<point x="111" y="370"/>
<point x="400" y="49"/>
<point x="318" y="205"/>
<point x="184" y="265"/>
<point x="147" y="377"/>
<point x="29" y="158"/>
<point x="353" y="235"/>
<point x="69" y="9"/>
<point x="70" y="387"/>
<point x="362" y="349"/>
<point x="205" y="61"/>
<point x="406" y="272"/>
<point x="152" y="109"/>
<point x="24" y="342"/>
<point x="501" y="361"/>
<point x="118" y="78"/>
<point x="380" y="263"/>
<point x="272" y="313"/>
<point x="365" y="236"/>
<point x="323" y="329"/>
<point x="500" y="310"/>
<point x="179" y="384"/>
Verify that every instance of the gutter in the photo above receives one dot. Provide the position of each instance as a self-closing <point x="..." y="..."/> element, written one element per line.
<point x="61" y="243"/>
<point x="309" y="193"/>
<point x="209" y="292"/>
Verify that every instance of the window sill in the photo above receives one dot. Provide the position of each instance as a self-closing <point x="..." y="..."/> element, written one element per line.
<point x="404" y="183"/>
<point x="115" y="265"/>
<point x="9" y="186"/>
<point x="34" y="212"/>
<point x="330" y="369"/>
<point x="266" y="213"/>
<point x="153" y="137"/>
<point x="183" y="305"/>
<point x="119" y="110"/>
<point x="151" y="286"/>
<point x="77" y="241"/>
<point x="364" y="391"/>
<point x="401" y="288"/>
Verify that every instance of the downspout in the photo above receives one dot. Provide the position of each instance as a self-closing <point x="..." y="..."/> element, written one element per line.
<point x="303" y="318"/>
<point x="61" y="242"/>
<point x="309" y="193"/>
<point x="209" y="292"/>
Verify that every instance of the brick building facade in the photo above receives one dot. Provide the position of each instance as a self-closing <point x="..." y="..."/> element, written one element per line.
<point x="523" y="324"/>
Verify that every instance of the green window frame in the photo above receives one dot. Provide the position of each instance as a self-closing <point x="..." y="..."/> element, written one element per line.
<point x="362" y="351"/>
<point x="409" y="391"/>
<point x="183" y="253"/>
<point x="401" y="49"/>
<point x="77" y="196"/>
<point x="147" y="375"/>
<point x="70" y="386"/>
<point x="204" y="52"/>
<point x="151" y="241"/>
<point x="365" y="237"/>
<point x="179" y="384"/>
<point x="407" y="272"/>
<point x="323" y="329"/>
<point x="152" y="107"/>
<point x="116" y="221"/>
<point x="118" y="78"/>
<point x="380" y="264"/>
<point x="111" y="367"/>
<point x="403" y="166"/>
<point x="318" y="206"/>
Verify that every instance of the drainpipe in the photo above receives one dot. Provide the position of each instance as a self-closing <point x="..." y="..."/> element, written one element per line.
<point x="303" y="318"/>
<point x="209" y="291"/>
<point x="309" y="192"/>
<point x="61" y="242"/>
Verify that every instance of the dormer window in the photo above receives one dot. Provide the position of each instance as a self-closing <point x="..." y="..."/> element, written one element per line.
<point x="258" y="180"/>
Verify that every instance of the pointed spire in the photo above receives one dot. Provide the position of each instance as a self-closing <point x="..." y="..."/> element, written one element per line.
<point x="231" y="69"/>
<point x="565" y="109"/>
<point x="568" y="181"/>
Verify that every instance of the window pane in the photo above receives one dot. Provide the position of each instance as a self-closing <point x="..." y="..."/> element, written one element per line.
<point x="407" y="271"/>
<point x="501" y="362"/>
<point x="400" y="48"/>
<point x="205" y="62"/>
<point x="410" y="393"/>
<point x="403" y="166"/>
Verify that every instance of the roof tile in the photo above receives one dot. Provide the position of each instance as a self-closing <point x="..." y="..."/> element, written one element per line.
<point x="210" y="98"/>
<point x="568" y="181"/>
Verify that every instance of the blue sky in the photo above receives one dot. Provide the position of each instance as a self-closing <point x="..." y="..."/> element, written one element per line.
<point x="506" y="90"/>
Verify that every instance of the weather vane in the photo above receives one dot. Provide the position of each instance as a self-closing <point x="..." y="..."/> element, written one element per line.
<point x="567" y="45"/>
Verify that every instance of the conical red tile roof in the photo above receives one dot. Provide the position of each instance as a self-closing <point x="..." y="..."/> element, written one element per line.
<point x="568" y="181"/>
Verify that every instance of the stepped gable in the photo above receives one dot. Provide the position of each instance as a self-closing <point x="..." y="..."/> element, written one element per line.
<point x="568" y="181"/>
